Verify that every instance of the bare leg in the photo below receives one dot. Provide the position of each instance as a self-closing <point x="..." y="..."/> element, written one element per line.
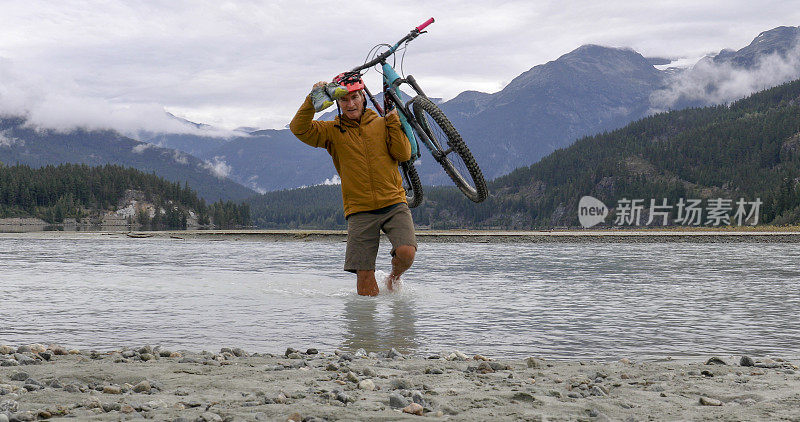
<point x="402" y="260"/>
<point x="366" y="284"/>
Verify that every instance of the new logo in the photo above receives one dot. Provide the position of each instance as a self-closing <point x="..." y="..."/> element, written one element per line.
<point x="591" y="211"/>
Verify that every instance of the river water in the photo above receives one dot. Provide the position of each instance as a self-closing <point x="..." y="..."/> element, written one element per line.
<point x="557" y="300"/>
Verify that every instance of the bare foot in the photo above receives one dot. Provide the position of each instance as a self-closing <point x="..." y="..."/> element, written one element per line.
<point x="393" y="282"/>
<point x="367" y="287"/>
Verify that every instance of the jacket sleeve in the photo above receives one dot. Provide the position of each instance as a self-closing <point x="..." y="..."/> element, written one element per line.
<point x="306" y="129"/>
<point x="396" y="139"/>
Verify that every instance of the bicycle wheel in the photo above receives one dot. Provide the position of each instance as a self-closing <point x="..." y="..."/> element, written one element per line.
<point x="411" y="184"/>
<point x="457" y="160"/>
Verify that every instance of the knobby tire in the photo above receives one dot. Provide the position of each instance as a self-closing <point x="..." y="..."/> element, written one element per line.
<point x="411" y="184"/>
<point x="441" y="132"/>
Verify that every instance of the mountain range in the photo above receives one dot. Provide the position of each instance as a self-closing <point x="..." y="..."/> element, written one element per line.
<point x="748" y="150"/>
<point x="590" y="90"/>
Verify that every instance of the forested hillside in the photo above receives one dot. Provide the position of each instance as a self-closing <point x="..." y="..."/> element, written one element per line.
<point x="749" y="149"/>
<point x="78" y="191"/>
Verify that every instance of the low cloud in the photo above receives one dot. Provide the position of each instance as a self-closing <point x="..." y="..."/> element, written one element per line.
<point x="141" y="148"/>
<point x="709" y="83"/>
<point x="9" y="141"/>
<point x="218" y="167"/>
<point x="335" y="180"/>
<point x="59" y="104"/>
<point x="181" y="158"/>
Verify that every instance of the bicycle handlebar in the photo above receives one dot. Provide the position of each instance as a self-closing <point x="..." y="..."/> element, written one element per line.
<point x="411" y="35"/>
<point x="425" y="24"/>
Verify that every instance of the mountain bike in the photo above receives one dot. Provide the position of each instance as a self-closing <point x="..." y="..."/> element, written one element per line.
<point x="422" y="120"/>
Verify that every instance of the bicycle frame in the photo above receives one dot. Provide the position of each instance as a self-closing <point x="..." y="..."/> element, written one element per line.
<point x="392" y="82"/>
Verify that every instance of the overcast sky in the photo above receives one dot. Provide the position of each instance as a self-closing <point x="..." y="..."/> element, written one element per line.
<point x="250" y="63"/>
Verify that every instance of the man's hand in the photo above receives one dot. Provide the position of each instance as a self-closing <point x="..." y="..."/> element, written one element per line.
<point x="319" y="84"/>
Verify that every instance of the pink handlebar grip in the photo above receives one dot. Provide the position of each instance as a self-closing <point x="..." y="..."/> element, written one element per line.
<point x="424" y="24"/>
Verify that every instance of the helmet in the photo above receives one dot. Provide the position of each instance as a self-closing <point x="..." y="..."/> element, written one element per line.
<point x="350" y="80"/>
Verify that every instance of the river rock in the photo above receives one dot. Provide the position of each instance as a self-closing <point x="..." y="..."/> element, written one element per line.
<point x="46" y="355"/>
<point x="393" y="353"/>
<point x="19" y="376"/>
<point x="401" y="384"/>
<point x="360" y="353"/>
<point x="434" y="370"/>
<point x="58" y="350"/>
<point x="112" y="389"/>
<point x="3" y="417"/>
<point x="24" y="417"/>
<point x="37" y="348"/>
<point x="128" y="354"/>
<point x="6" y="350"/>
<point x="747" y="361"/>
<point x="9" y="362"/>
<point x="127" y="409"/>
<point x="707" y="401"/>
<point x="413" y="409"/>
<point x="210" y="417"/>
<point x="715" y="361"/>
<point x="366" y="384"/>
<point x="142" y="387"/>
<point x="312" y="351"/>
<point x="24" y="349"/>
<point x="396" y="401"/>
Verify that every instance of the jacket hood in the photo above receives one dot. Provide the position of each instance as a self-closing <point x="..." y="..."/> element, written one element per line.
<point x="368" y="116"/>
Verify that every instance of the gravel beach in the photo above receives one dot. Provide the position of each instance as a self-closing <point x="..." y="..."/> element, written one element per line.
<point x="50" y="382"/>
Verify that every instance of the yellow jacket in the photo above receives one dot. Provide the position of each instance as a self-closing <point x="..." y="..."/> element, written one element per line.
<point x="366" y="155"/>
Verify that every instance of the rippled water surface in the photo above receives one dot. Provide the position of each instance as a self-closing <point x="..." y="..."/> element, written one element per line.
<point x="570" y="300"/>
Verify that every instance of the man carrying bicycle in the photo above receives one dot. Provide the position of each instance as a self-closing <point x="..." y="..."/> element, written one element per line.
<point x="366" y="150"/>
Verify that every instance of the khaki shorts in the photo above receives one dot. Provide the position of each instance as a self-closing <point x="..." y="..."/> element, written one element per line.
<point x="364" y="235"/>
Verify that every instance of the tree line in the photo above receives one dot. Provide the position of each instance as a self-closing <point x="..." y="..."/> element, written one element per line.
<point x="53" y="193"/>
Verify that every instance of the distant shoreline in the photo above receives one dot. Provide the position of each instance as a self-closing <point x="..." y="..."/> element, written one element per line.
<point x="757" y="235"/>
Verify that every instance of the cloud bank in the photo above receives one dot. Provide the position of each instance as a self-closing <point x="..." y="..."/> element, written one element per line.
<point x="121" y="64"/>
<point x="709" y="83"/>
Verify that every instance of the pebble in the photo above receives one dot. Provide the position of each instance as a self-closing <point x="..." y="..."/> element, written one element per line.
<point x="126" y="408"/>
<point x="394" y="354"/>
<point x="715" y="361"/>
<point x="361" y="353"/>
<point x="19" y="376"/>
<point x="312" y="351"/>
<point x="142" y="387"/>
<point x="294" y="356"/>
<point x="435" y="371"/>
<point x="369" y="372"/>
<point x="112" y="389"/>
<point x="128" y="354"/>
<point x="401" y="384"/>
<point x="37" y="348"/>
<point x="210" y="417"/>
<point x="332" y="367"/>
<point x="413" y="409"/>
<point x="533" y="362"/>
<point x="58" y="350"/>
<point x="3" y="417"/>
<point x="396" y="401"/>
<point x="6" y="350"/>
<point x="290" y="350"/>
<point x="9" y="362"/>
<point x="24" y="417"/>
<point x="46" y="355"/>
<point x="366" y="384"/>
<point x="294" y="417"/>
<point x="24" y="349"/>
<point x="352" y="377"/>
<point x="706" y="401"/>
<point x="147" y="357"/>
